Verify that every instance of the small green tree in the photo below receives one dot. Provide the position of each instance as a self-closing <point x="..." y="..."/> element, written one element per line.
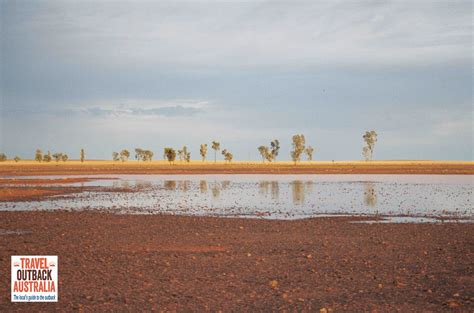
<point x="271" y="153"/>
<point x="216" y="146"/>
<point x="83" y="155"/>
<point x="124" y="155"/>
<point x="57" y="156"/>
<point x="298" y="147"/>
<point x="170" y="155"/>
<point x="17" y="159"/>
<point x="227" y="155"/>
<point x="47" y="157"/>
<point x="39" y="155"/>
<point x="3" y="157"/>
<point x="147" y="155"/>
<point x="309" y="152"/>
<point x="65" y="157"/>
<point x="203" y="151"/>
<point x="370" y="138"/>
<point x="139" y="154"/>
<point x="275" y="148"/>
<point x="263" y="152"/>
<point x="115" y="156"/>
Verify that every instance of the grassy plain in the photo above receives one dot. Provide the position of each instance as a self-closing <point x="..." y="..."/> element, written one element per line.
<point x="28" y="167"/>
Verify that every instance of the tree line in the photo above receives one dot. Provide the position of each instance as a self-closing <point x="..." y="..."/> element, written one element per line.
<point x="268" y="153"/>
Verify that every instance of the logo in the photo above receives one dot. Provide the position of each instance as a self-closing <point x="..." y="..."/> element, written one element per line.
<point x="34" y="278"/>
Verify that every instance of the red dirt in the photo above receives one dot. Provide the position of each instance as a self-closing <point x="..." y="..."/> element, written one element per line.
<point x="31" y="194"/>
<point x="45" y="181"/>
<point x="113" y="262"/>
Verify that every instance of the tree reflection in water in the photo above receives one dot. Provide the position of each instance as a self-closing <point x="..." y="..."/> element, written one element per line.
<point x="203" y="186"/>
<point x="170" y="184"/>
<point x="265" y="187"/>
<point x="298" y="192"/>
<point x="216" y="190"/>
<point x="370" y="195"/>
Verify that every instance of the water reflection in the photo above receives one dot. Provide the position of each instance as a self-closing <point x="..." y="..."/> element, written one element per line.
<point x="203" y="186"/>
<point x="275" y="190"/>
<point x="184" y="185"/>
<point x="298" y="189"/>
<point x="225" y="184"/>
<point x="269" y="187"/>
<point x="216" y="190"/>
<point x="281" y="196"/>
<point x="141" y="184"/>
<point x="169" y="184"/>
<point x="370" y="195"/>
<point x="125" y="184"/>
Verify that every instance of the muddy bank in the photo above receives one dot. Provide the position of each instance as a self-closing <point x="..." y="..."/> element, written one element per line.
<point x="46" y="181"/>
<point x="105" y="167"/>
<point x="136" y="263"/>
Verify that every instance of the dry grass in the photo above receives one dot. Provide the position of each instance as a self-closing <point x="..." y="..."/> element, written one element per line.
<point x="30" y="167"/>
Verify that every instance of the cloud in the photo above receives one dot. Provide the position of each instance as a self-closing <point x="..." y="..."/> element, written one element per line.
<point x="168" y="111"/>
<point x="247" y="34"/>
<point x="127" y="108"/>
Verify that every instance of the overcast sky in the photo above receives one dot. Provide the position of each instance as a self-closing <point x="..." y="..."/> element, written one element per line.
<point x="108" y="75"/>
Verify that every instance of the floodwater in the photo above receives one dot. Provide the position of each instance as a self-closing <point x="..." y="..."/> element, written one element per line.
<point x="398" y="198"/>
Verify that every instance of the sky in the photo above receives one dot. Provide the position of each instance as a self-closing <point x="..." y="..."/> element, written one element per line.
<point x="109" y="75"/>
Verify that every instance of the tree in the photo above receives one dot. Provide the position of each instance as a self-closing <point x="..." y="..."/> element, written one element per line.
<point x="124" y="155"/>
<point x="216" y="146"/>
<point x="271" y="153"/>
<point x="203" y="151"/>
<point x="263" y="152"/>
<point x="115" y="156"/>
<point x="38" y="155"/>
<point x="275" y="148"/>
<point x="64" y="157"/>
<point x="370" y="138"/>
<point x="139" y="154"/>
<point x="227" y="155"/>
<point x="309" y="152"/>
<point x="57" y="156"/>
<point x="47" y="157"/>
<point x="170" y="154"/>
<point x="366" y="153"/>
<point x="184" y="155"/>
<point x="143" y="155"/>
<point x="298" y="147"/>
<point x="147" y="155"/>
<point x="3" y="157"/>
<point x="83" y="155"/>
<point x="17" y="158"/>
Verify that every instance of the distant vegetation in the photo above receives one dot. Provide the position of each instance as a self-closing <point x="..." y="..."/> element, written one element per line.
<point x="298" y="148"/>
<point x="370" y="138"/>
<point x="203" y="151"/>
<point x="143" y="155"/>
<point x="271" y="153"/>
<point x="170" y="155"/>
<point x="82" y="156"/>
<point x="216" y="146"/>
<point x="268" y="153"/>
<point x="309" y="152"/>
<point x="184" y="154"/>
<point x="227" y="155"/>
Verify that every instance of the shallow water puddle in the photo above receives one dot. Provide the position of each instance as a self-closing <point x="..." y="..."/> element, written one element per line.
<point x="418" y="198"/>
